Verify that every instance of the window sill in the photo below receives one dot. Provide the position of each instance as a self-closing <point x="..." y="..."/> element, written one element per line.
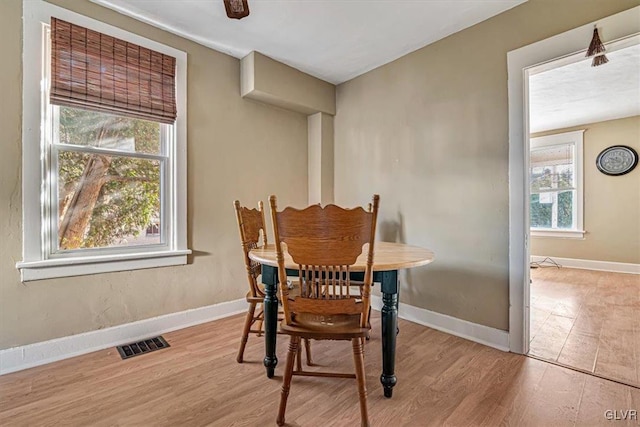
<point x="564" y="234"/>
<point x="79" y="266"/>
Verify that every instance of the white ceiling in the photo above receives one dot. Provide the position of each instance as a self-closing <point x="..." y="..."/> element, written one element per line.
<point x="335" y="40"/>
<point x="578" y="93"/>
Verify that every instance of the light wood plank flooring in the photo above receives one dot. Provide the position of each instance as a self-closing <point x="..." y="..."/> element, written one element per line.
<point x="589" y="320"/>
<point x="443" y="380"/>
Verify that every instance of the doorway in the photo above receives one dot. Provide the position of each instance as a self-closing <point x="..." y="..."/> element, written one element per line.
<point x="561" y="47"/>
<point x="584" y="303"/>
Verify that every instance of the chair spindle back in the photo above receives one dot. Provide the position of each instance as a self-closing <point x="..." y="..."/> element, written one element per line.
<point x="251" y="224"/>
<point x="325" y="243"/>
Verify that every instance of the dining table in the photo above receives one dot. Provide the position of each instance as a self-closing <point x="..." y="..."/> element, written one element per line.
<point x="388" y="259"/>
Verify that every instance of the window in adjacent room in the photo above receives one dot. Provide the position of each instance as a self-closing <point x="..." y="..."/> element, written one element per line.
<point x="103" y="148"/>
<point x="556" y="185"/>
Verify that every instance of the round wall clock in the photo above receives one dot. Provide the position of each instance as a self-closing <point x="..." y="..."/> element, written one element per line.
<point x="617" y="160"/>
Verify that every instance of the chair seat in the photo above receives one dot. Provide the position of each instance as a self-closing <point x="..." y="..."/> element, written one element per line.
<point x="323" y="327"/>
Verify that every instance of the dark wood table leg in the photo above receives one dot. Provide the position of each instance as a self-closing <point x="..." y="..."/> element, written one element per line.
<point x="398" y="306"/>
<point x="389" y="290"/>
<point x="270" y="280"/>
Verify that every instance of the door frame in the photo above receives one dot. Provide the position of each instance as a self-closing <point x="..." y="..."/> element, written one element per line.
<point x="564" y="46"/>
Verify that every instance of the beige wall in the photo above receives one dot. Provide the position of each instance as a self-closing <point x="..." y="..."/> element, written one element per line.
<point x="429" y="133"/>
<point x="229" y="139"/>
<point x="611" y="203"/>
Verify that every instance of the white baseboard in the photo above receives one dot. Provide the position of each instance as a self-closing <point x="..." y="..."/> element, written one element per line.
<point x="28" y="356"/>
<point x="485" y="335"/>
<point x="587" y="264"/>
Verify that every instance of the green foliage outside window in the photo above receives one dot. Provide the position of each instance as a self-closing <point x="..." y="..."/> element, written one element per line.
<point x="540" y="213"/>
<point x="105" y="199"/>
<point x="565" y="209"/>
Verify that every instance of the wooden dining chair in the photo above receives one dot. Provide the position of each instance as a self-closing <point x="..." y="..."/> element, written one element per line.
<point x="325" y="243"/>
<point x="251" y="225"/>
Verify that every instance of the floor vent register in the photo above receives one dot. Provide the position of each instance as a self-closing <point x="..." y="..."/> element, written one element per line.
<point x="142" y="347"/>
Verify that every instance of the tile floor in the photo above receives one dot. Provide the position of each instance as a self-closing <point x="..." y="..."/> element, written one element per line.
<point x="588" y="320"/>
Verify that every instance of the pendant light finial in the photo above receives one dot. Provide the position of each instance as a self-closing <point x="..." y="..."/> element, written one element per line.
<point x="596" y="49"/>
<point x="236" y="9"/>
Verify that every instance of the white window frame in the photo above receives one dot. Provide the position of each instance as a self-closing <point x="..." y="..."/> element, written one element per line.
<point x="38" y="260"/>
<point x="575" y="138"/>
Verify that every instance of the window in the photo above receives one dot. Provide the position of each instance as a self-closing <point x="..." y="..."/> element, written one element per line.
<point x="105" y="179"/>
<point x="556" y="185"/>
<point x="104" y="148"/>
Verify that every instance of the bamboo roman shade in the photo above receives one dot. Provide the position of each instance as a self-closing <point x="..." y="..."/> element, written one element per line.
<point x="95" y="71"/>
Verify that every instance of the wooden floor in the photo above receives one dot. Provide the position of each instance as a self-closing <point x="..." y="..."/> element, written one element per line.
<point x="587" y="319"/>
<point x="442" y="380"/>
